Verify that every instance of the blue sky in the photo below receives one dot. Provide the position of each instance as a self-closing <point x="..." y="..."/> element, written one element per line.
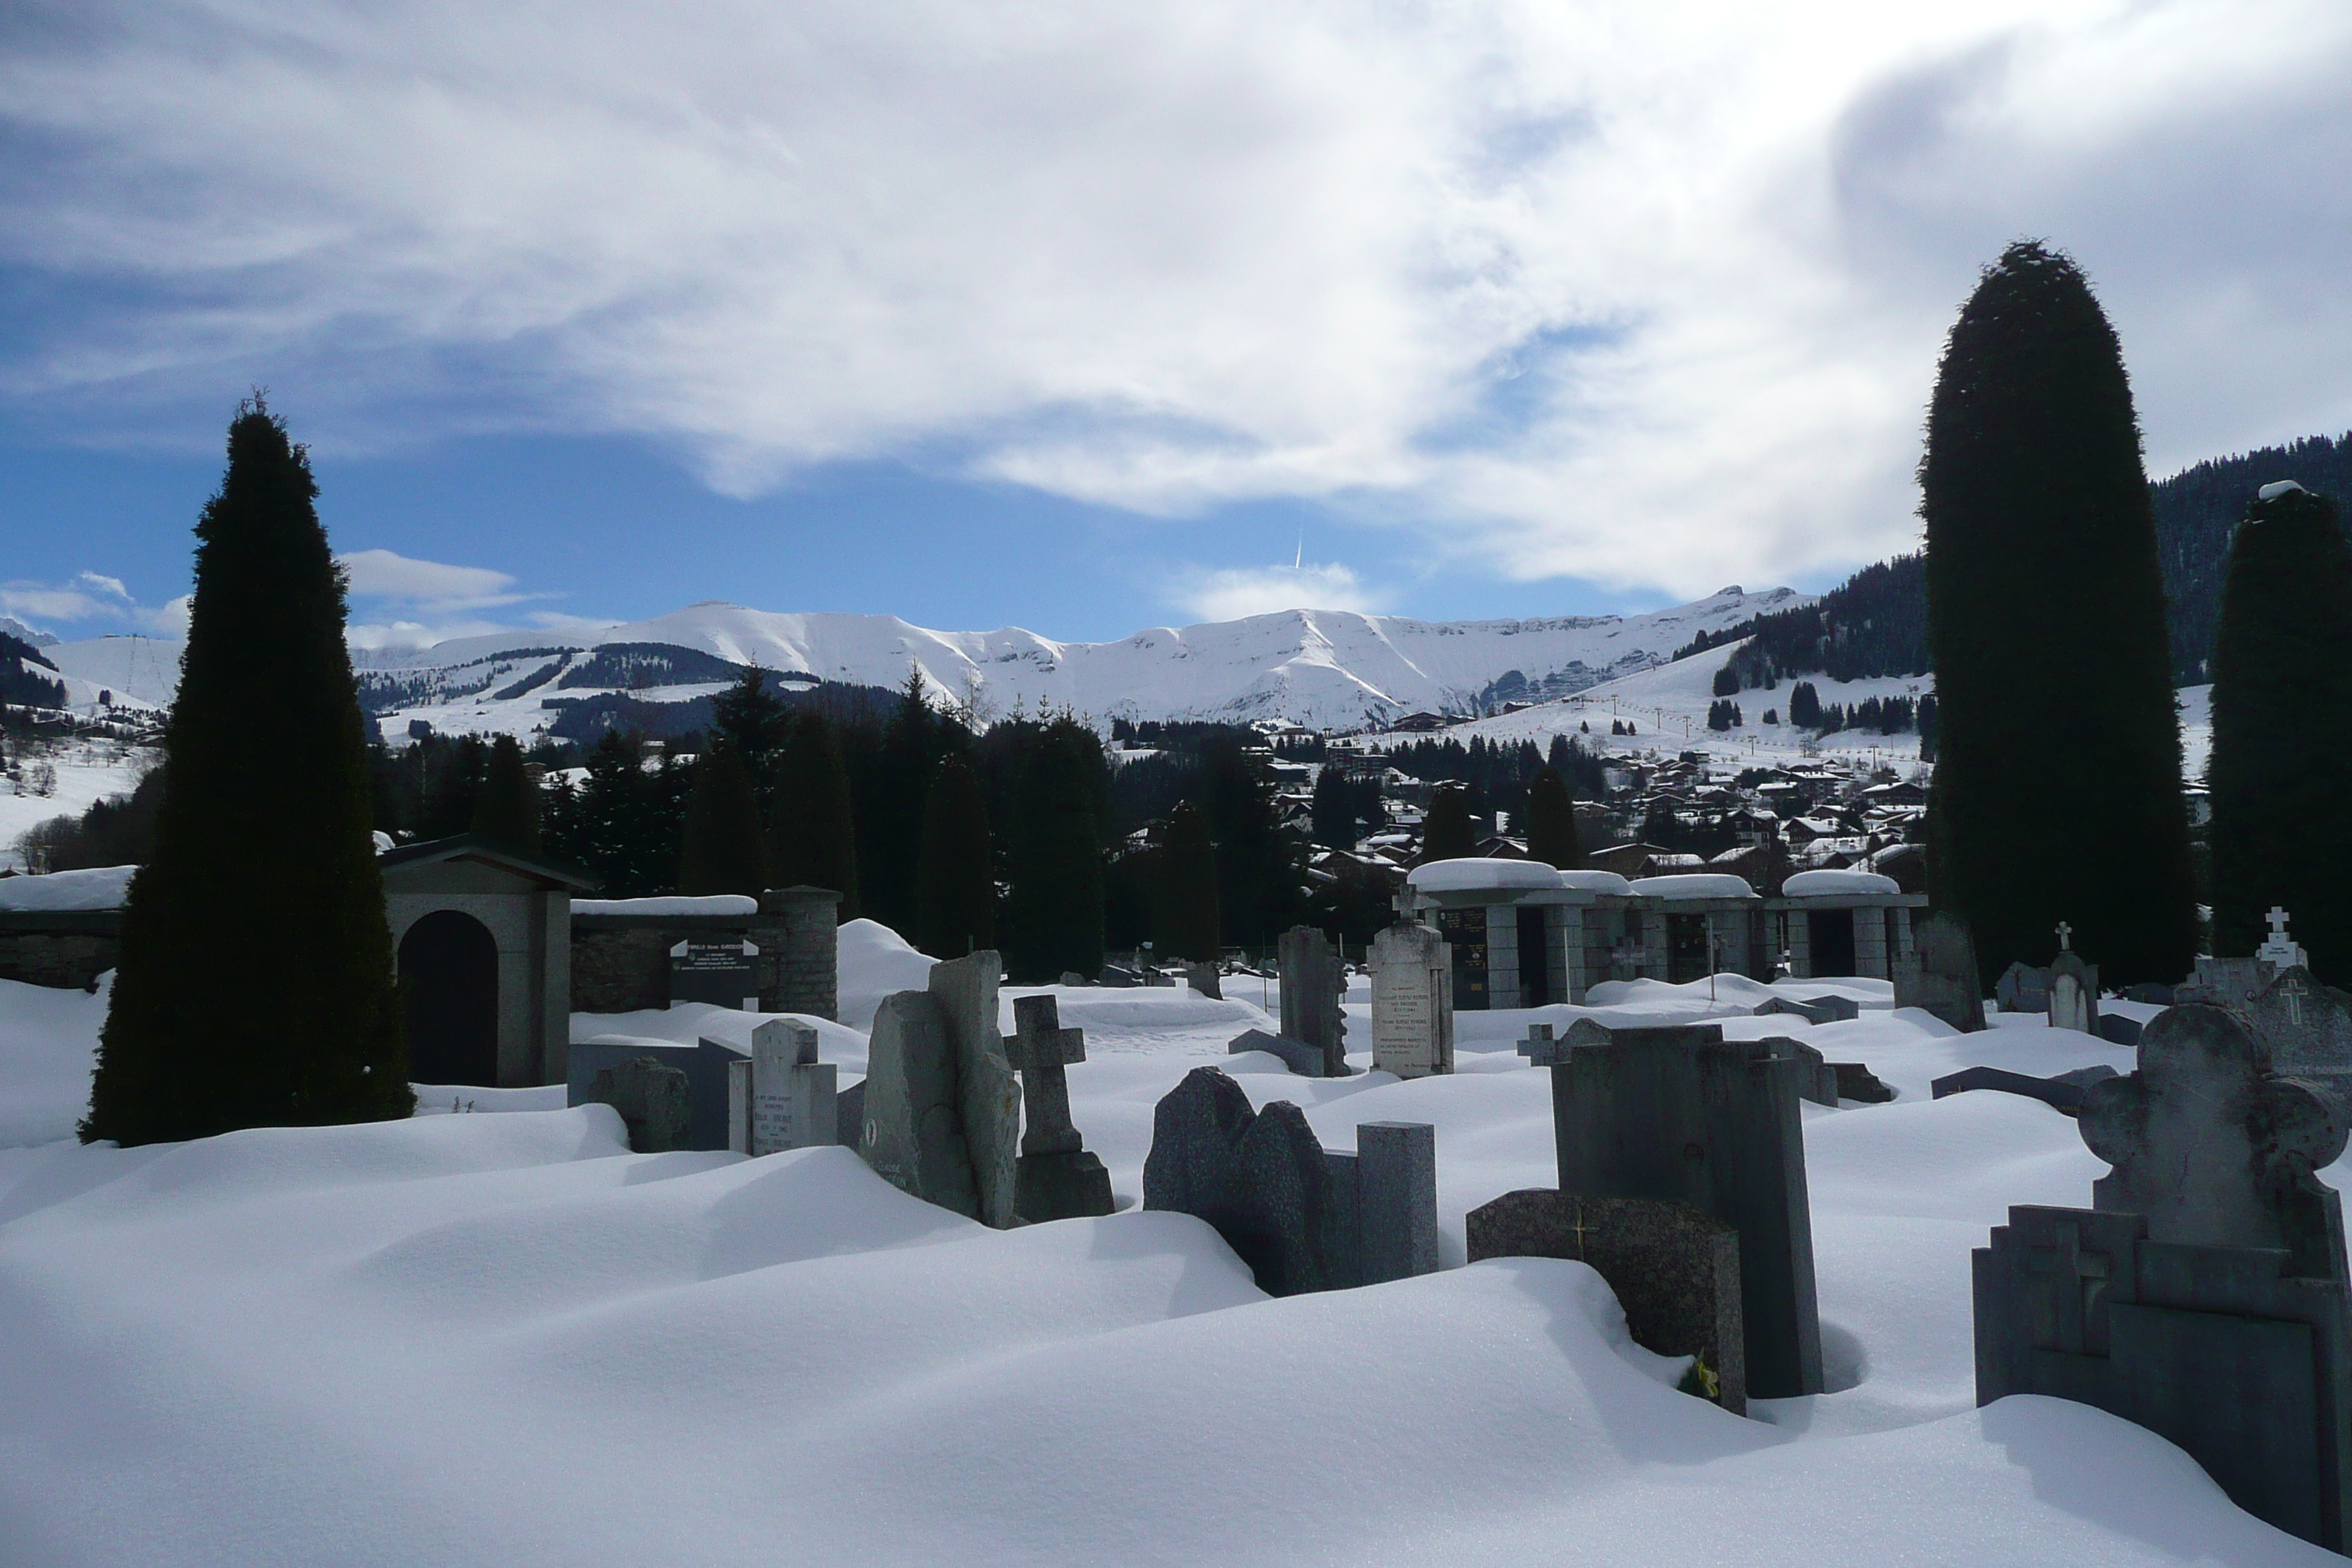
<point x="1086" y="317"/>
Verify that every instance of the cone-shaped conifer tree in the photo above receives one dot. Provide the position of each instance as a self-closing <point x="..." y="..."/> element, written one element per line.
<point x="719" y="850"/>
<point x="1551" y="822"/>
<point x="1184" y="892"/>
<point x="812" y="836"/>
<point x="2281" y="769"/>
<point x="255" y="984"/>
<point x="956" y="886"/>
<point x="506" y="811"/>
<point x="2042" y="568"/>
<point x="1446" y="833"/>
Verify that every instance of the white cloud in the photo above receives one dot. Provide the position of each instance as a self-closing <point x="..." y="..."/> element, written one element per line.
<point x="1230" y="594"/>
<point x="102" y="584"/>
<point x="382" y="574"/>
<point x="1646" y="294"/>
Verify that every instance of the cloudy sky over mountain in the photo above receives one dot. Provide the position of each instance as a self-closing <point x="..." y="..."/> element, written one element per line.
<point x="1086" y="316"/>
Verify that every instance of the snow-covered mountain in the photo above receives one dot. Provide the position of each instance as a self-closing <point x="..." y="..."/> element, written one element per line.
<point x="1330" y="669"/>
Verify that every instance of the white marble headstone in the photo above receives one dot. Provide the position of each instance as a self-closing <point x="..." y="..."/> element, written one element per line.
<point x="1413" y="1002"/>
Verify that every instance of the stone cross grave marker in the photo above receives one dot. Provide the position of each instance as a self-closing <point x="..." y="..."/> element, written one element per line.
<point x="723" y="973"/>
<point x="2204" y="1293"/>
<point x="1312" y="986"/>
<point x="2073" y="988"/>
<point x="1056" y="1178"/>
<point x="2278" y="950"/>
<point x="1413" y="1002"/>
<point x="781" y="1097"/>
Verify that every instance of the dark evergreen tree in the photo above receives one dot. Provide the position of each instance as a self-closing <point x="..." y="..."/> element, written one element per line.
<point x="1446" y="831"/>
<point x="812" y="839"/>
<point x="1184" y="905"/>
<point x="956" y="887"/>
<point x="754" y="719"/>
<point x="506" y="811"/>
<point x="1259" y="866"/>
<point x="454" y="783"/>
<point x="1054" y="916"/>
<point x="1331" y="813"/>
<point x="719" y="849"/>
<point x="891" y="806"/>
<point x="1551" y="823"/>
<point x="2042" y="559"/>
<point x="616" y="823"/>
<point x="2281" y="775"/>
<point x="256" y="981"/>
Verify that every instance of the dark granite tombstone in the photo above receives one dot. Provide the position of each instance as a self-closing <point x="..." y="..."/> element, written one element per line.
<point x="1296" y="1054"/>
<point x="1675" y="1271"/>
<point x="1056" y="1177"/>
<point x="1940" y="975"/>
<point x="1203" y="980"/>
<point x="1302" y="1218"/>
<point x="723" y="973"/>
<point x="1312" y="986"/>
<point x="704" y="1063"/>
<point x="655" y="1100"/>
<point x="2065" y="1091"/>
<point x="2308" y="1023"/>
<point x="1813" y="1009"/>
<point x="2204" y="1293"/>
<point x="1856" y="1082"/>
<point x="1682" y="1113"/>
<point x="2023" y="989"/>
<point x="1818" y="1081"/>
<point x="2118" y="1030"/>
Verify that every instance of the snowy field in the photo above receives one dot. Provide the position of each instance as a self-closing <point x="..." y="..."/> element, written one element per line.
<point x="86" y="772"/>
<point x="499" y="1338"/>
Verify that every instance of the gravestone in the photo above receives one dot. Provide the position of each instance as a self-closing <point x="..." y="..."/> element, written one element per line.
<point x="1413" y="1002"/>
<point x="1813" y="1009"/>
<point x="2308" y="1023"/>
<point x="1856" y="1082"/>
<point x="1296" y="1054"/>
<point x="1676" y="1271"/>
<point x="1203" y="979"/>
<point x="723" y="973"/>
<point x="2280" y="951"/>
<point x="2203" y="1294"/>
<point x="913" y="1135"/>
<point x="1682" y="1113"/>
<point x="2224" y="981"/>
<point x="1312" y="986"/>
<point x="2065" y="1091"/>
<point x="1056" y="1177"/>
<point x="781" y="1097"/>
<point x="1816" y="1080"/>
<point x="655" y="1101"/>
<point x="1940" y="975"/>
<point x="1302" y="1217"/>
<point x="2023" y="989"/>
<point x="705" y="1064"/>
<point x="988" y="1097"/>
<point x="2073" y="988"/>
<point x="2118" y="1030"/>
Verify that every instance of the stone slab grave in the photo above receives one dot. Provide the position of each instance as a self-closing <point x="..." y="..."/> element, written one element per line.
<point x="723" y="973"/>
<point x="2023" y="989"/>
<point x="1296" y="1054"/>
<point x="1813" y="1009"/>
<point x="1684" y="1114"/>
<point x="781" y="1097"/>
<point x="1313" y="983"/>
<point x="2074" y="988"/>
<point x="655" y="1103"/>
<point x="1303" y="1217"/>
<point x="941" y="1108"/>
<point x="2204" y="1293"/>
<point x="1817" y="1080"/>
<point x="1940" y="975"/>
<point x="1675" y="1271"/>
<point x="2118" y="1030"/>
<point x="1413" y="1002"/>
<point x="2065" y="1091"/>
<point x="705" y="1064"/>
<point x="1204" y="980"/>
<point x="1856" y="1082"/>
<point x="1056" y="1177"/>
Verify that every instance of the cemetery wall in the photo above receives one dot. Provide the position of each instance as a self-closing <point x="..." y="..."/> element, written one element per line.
<point x="62" y="948"/>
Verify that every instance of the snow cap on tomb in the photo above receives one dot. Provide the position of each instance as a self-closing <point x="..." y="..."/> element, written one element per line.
<point x="1476" y="873"/>
<point x="1695" y="885"/>
<point x="1597" y="883"/>
<point x="2278" y="488"/>
<point x="704" y="904"/>
<point x="1821" y="884"/>
<point x="98" y="887"/>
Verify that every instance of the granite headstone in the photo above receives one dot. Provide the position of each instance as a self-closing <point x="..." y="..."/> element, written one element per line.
<point x="655" y="1100"/>
<point x="1940" y="975"/>
<point x="1312" y="985"/>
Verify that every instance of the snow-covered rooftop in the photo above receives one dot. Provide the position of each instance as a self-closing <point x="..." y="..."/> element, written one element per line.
<point x="1821" y="884"/>
<point x="99" y="888"/>
<point x="1476" y="873"/>
<point x="1695" y="885"/>
<point x="704" y="904"/>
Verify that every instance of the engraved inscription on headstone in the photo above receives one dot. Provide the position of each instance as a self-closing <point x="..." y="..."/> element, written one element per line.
<point x="792" y="1093"/>
<point x="1413" y="1002"/>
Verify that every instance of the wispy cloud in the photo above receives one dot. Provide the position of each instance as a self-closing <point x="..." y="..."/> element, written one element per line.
<point x="1230" y="594"/>
<point x="89" y="601"/>
<point x="382" y="574"/>
<point x="1650" y="294"/>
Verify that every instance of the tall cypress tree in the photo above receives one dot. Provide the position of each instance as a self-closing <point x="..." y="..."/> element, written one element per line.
<point x="890" y="801"/>
<point x="2041" y="567"/>
<point x="812" y="834"/>
<point x="2281" y="768"/>
<point x="506" y="811"/>
<point x="1551" y="822"/>
<point x="1054" y="920"/>
<point x="1184" y="892"/>
<point x="719" y="850"/>
<point x="255" y="983"/>
<point x="956" y="887"/>
<point x="1446" y="833"/>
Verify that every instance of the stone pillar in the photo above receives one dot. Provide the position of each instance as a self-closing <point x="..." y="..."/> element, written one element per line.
<point x="800" y="957"/>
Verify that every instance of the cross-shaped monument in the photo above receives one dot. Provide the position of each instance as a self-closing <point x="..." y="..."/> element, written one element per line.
<point x="2280" y="951"/>
<point x="2065" y="932"/>
<point x="1057" y="1178"/>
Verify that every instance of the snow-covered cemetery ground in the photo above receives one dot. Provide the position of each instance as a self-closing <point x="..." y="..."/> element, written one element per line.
<point x="498" y="1337"/>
